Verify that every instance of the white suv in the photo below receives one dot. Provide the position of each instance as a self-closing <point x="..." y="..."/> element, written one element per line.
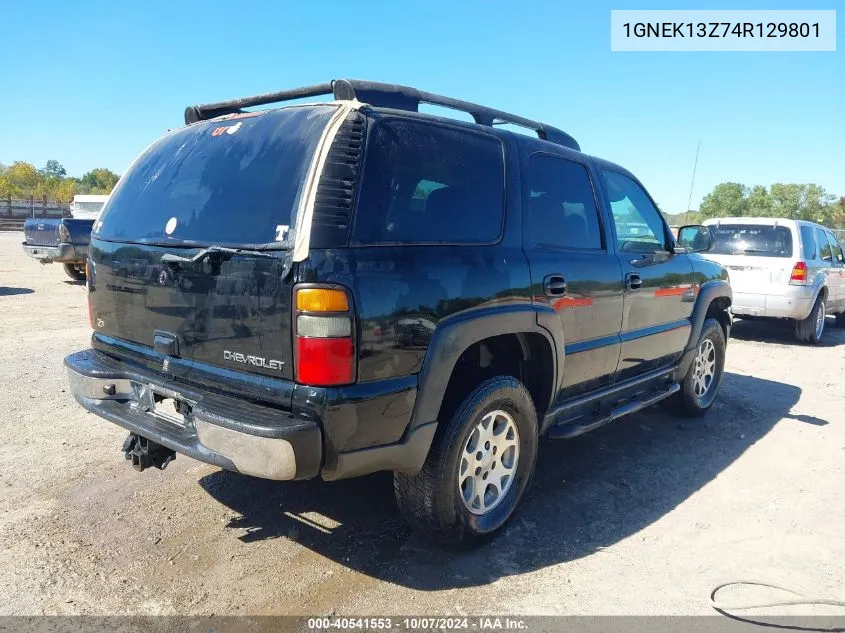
<point x="780" y="268"/>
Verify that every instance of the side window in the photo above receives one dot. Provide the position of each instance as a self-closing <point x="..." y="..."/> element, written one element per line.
<point x="424" y="183"/>
<point x="639" y="226"/>
<point x="562" y="211"/>
<point x="825" y="251"/>
<point x="808" y="243"/>
<point x="836" y="248"/>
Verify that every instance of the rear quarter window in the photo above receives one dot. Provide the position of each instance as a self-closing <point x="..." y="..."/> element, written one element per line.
<point x="808" y="242"/>
<point x="425" y="183"/>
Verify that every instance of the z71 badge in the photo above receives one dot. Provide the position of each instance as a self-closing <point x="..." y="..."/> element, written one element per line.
<point x="255" y="361"/>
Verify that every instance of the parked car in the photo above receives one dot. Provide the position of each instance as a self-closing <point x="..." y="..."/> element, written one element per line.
<point x="354" y="286"/>
<point x="64" y="240"/>
<point x="782" y="269"/>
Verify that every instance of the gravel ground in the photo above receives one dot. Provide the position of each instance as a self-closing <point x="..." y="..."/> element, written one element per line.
<point x="641" y="517"/>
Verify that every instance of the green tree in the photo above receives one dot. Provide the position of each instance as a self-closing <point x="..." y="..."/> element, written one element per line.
<point x="100" y="180"/>
<point x="727" y="199"/>
<point x="54" y="169"/>
<point x="22" y="178"/>
<point x="759" y="202"/>
<point x="66" y="190"/>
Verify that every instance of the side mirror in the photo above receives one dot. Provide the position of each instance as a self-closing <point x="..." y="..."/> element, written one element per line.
<point x="695" y="238"/>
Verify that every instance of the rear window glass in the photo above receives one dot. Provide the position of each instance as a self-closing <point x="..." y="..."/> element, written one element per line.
<point x="425" y="183"/>
<point x="236" y="181"/>
<point x="757" y="240"/>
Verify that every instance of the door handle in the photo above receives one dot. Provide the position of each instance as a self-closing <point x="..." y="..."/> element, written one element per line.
<point x="554" y="285"/>
<point x="633" y="282"/>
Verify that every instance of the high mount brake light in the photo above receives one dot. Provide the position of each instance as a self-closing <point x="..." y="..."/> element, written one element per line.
<point x="324" y="348"/>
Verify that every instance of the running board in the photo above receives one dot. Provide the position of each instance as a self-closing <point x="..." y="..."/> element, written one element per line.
<point x="568" y="430"/>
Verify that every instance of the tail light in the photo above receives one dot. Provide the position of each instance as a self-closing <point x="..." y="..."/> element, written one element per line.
<point x="799" y="274"/>
<point x="90" y="311"/>
<point x="64" y="234"/>
<point x="324" y="352"/>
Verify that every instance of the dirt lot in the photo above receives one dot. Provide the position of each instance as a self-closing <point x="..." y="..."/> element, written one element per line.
<point x="640" y="517"/>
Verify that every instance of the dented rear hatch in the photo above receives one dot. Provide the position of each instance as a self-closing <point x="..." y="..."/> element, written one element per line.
<point x="192" y="255"/>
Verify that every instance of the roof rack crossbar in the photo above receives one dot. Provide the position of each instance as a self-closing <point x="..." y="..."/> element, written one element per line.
<point x="383" y="95"/>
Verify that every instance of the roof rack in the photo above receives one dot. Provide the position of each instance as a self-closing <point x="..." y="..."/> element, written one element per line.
<point x="383" y="95"/>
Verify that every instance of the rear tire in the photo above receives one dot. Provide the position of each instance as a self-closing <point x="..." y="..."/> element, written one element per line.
<point x="75" y="272"/>
<point x="459" y="497"/>
<point x="811" y="329"/>
<point x="700" y="386"/>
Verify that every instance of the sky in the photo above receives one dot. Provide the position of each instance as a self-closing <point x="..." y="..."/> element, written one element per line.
<point x="92" y="83"/>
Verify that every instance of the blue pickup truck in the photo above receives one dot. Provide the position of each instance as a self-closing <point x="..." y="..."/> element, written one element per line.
<point x="64" y="240"/>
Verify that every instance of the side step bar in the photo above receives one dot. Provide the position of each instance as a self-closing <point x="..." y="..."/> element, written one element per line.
<point x="569" y="430"/>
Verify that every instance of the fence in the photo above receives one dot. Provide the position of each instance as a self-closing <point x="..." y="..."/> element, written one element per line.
<point x="32" y="207"/>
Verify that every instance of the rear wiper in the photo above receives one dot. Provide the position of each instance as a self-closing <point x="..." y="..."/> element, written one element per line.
<point x="224" y="251"/>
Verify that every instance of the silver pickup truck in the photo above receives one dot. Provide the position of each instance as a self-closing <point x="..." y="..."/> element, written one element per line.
<point x="783" y="269"/>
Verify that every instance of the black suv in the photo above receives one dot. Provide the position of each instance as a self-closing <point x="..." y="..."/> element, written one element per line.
<point x="351" y="286"/>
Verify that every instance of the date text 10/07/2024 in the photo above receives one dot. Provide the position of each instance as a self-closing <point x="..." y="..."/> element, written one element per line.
<point x="720" y="29"/>
<point x="418" y="623"/>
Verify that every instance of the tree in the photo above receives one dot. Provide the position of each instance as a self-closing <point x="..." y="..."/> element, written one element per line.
<point x="55" y="169"/>
<point x="759" y="202"/>
<point x="66" y="190"/>
<point x="796" y="201"/>
<point x="100" y="180"/>
<point x="23" y="177"/>
<point x="727" y="199"/>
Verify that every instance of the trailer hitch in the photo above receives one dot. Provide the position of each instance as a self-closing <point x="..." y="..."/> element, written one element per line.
<point x="145" y="453"/>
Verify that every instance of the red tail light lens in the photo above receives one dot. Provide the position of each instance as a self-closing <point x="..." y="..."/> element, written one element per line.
<point x="799" y="273"/>
<point x="324" y="361"/>
<point x="324" y="349"/>
<point x="64" y="234"/>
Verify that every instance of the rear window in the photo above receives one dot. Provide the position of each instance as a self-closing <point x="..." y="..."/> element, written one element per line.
<point x="425" y="183"/>
<point x="236" y="181"/>
<point x="757" y="240"/>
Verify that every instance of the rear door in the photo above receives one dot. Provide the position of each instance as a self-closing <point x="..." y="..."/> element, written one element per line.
<point x="836" y="274"/>
<point x="234" y="183"/>
<point x="573" y="269"/>
<point x="659" y="293"/>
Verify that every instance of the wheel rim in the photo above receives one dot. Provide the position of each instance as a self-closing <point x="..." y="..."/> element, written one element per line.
<point x="705" y="368"/>
<point x="820" y="320"/>
<point x="488" y="462"/>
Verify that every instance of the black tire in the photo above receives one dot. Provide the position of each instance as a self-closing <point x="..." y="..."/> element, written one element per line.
<point x="808" y="330"/>
<point x="840" y="320"/>
<point x="75" y="271"/>
<point x="431" y="501"/>
<point x="687" y="402"/>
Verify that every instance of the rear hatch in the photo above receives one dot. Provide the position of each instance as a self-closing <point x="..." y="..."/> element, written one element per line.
<point x="759" y="257"/>
<point x="224" y="193"/>
<point x="41" y="231"/>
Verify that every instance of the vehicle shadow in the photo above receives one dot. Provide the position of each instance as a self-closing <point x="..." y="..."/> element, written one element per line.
<point x="588" y="493"/>
<point x="776" y="331"/>
<point x="74" y="282"/>
<point x="8" y="292"/>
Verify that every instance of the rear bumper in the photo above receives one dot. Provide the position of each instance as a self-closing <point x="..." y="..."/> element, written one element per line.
<point x="794" y="303"/>
<point x="226" y="432"/>
<point x="335" y="433"/>
<point x="61" y="254"/>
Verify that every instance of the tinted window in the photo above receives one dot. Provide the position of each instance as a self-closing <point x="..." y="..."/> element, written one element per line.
<point x="639" y="225"/>
<point x="758" y="240"/>
<point x="218" y="182"/>
<point x="808" y="242"/>
<point x="562" y="210"/>
<point x="837" y="249"/>
<point x="426" y="183"/>
<point x="825" y="252"/>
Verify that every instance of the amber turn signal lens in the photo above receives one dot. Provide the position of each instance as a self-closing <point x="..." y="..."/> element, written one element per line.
<point x="321" y="300"/>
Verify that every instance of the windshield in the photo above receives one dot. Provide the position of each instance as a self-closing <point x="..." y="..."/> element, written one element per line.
<point x="759" y="240"/>
<point x="233" y="182"/>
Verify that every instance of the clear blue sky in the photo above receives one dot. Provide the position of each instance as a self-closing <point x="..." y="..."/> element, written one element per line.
<point x="91" y="83"/>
